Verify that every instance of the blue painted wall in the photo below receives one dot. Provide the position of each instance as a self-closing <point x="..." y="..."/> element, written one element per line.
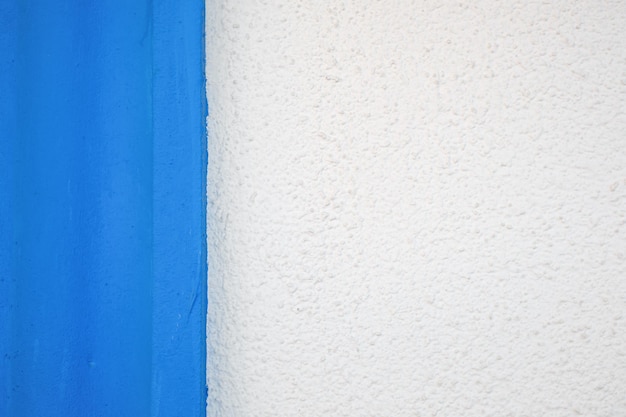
<point x="102" y="239"/>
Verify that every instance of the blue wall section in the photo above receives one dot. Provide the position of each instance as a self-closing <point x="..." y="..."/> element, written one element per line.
<point x="102" y="152"/>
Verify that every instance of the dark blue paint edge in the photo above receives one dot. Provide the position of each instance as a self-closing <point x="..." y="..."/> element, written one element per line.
<point x="102" y="209"/>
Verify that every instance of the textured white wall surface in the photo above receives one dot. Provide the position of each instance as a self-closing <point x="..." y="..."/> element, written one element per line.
<point x="417" y="208"/>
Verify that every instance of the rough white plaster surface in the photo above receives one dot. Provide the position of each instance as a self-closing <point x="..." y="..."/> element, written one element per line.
<point x="417" y="208"/>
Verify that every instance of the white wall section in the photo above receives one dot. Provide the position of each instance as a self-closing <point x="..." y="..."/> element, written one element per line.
<point x="417" y="208"/>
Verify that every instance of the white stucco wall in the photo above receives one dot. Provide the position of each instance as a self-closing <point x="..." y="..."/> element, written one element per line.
<point x="417" y="208"/>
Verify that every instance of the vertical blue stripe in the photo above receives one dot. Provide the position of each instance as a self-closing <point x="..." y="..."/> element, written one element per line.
<point x="8" y="131"/>
<point x="179" y="210"/>
<point x="102" y="286"/>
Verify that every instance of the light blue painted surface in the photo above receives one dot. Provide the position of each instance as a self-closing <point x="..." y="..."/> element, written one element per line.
<point x="102" y="240"/>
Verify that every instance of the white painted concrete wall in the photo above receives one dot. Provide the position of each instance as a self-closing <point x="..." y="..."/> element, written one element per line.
<point x="417" y="208"/>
